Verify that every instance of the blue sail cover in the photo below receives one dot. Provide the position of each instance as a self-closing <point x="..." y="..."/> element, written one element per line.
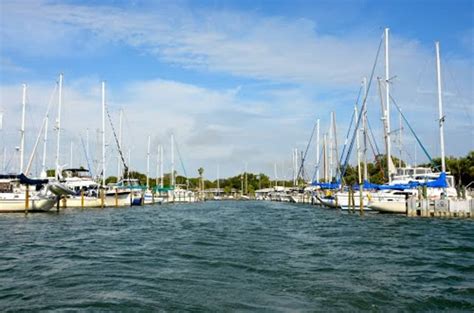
<point x="335" y="185"/>
<point x="439" y="182"/>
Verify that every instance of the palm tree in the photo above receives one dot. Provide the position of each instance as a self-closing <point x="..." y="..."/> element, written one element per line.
<point x="201" y="172"/>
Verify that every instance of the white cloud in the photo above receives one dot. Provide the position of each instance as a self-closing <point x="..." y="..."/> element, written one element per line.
<point x="322" y="72"/>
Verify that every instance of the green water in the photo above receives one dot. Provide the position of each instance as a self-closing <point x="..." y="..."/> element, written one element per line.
<point x="234" y="256"/>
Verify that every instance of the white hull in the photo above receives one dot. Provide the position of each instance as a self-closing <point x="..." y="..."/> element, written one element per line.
<point x="398" y="207"/>
<point x="18" y="205"/>
<point x="123" y="199"/>
<point x="343" y="201"/>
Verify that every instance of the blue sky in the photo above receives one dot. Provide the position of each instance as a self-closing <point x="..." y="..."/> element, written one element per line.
<point x="237" y="82"/>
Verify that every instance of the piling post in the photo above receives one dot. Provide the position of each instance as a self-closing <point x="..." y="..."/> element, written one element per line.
<point x="116" y="197"/>
<point x="27" y="199"/>
<point x="335" y="199"/>
<point x="361" y="199"/>
<point x="353" y="200"/>
<point x="57" y="204"/>
<point x="102" y="198"/>
<point x="82" y="198"/>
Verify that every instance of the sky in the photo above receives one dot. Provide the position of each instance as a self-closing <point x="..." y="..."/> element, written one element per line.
<point x="239" y="84"/>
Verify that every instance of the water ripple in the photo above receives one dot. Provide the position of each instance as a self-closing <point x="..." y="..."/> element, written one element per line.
<point x="234" y="256"/>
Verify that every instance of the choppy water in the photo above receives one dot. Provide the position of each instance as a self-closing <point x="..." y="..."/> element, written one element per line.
<point x="234" y="256"/>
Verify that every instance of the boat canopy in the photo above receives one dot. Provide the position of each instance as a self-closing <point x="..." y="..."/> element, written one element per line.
<point x="335" y="185"/>
<point x="439" y="182"/>
<point x="25" y="180"/>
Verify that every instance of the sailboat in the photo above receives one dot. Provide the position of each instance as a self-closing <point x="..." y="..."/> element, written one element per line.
<point x="19" y="193"/>
<point x="392" y="198"/>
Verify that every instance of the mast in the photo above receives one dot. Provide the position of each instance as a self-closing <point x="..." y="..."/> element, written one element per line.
<point x="364" y="125"/>
<point x="119" y="161"/>
<point x="58" y="123"/>
<point x="157" y="165"/>
<point x="22" y="130"/>
<point x="359" y="172"/>
<point x="387" y="109"/>
<point x="103" y="133"/>
<point x="295" y="166"/>
<point x="325" y="158"/>
<point x="71" y="153"/>
<point x="335" y="144"/>
<point x="218" y="184"/>
<point x="129" y="162"/>
<point x="400" y="147"/>
<point x="330" y="148"/>
<point x="87" y="146"/>
<point x="275" y="173"/>
<point x="161" y="167"/>
<point x="317" y="150"/>
<point x="45" y="144"/>
<point x="440" y="108"/>
<point x="172" y="161"/>
<point x="148" y="163"/>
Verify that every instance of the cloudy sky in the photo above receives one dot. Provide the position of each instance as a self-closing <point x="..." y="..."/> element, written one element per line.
<point x="238" y="83"/>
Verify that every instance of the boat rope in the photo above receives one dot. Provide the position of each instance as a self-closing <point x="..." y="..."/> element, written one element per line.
<point x="181" y="161"/>
<point x="364" y="103"/>
<point x="318" y="165"/>
<point x="413" y="132"/>
<point x="373" y="138"/>
<point x="87" y="157"/>
<point x="125" y="167"/>
<point x="346" y="140"/>
<point x="300" y="170"/>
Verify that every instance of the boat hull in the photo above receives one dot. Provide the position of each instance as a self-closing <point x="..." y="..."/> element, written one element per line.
<point x="396" y="207"/>
<point x="18" y="205"/>
<point x="111" y="200"/>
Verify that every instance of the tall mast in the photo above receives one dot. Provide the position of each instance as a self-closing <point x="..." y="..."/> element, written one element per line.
<point x="325" y="158"/>
<point x="87" y="147"/>
<point x="387" y="109"/>
<point x="364" y="125"/>
<point x="440" y="107"/>
<point x="172" y="161"/>
<point x="45" y="144"/>
<point x="71" y="155"/>
<point x="22" y="130"/>
<point x="58" y="122"/>
<point x="103" y="133"/>
<point x="129" y="162"/>
<point x="218" y="185"/>
<point x="161" y="166"/>
<point x="317" y="150"/>
<point x="275" y="173"/>
<point x="400" y="134"/>
<point x="359" y="172"/>
<point x="334" y="133"/>
<point x="157" y="165"/>
<point x="330" y="149"/>
<point x="119" y="160"/>
<point x="148" y="163"/>
<point x="295" y="166"/>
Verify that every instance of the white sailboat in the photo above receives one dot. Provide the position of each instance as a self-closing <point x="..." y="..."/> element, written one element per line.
<point x="395" y="201"/>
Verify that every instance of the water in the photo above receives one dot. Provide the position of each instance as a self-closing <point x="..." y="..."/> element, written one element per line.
<point x="234" y="256"/>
